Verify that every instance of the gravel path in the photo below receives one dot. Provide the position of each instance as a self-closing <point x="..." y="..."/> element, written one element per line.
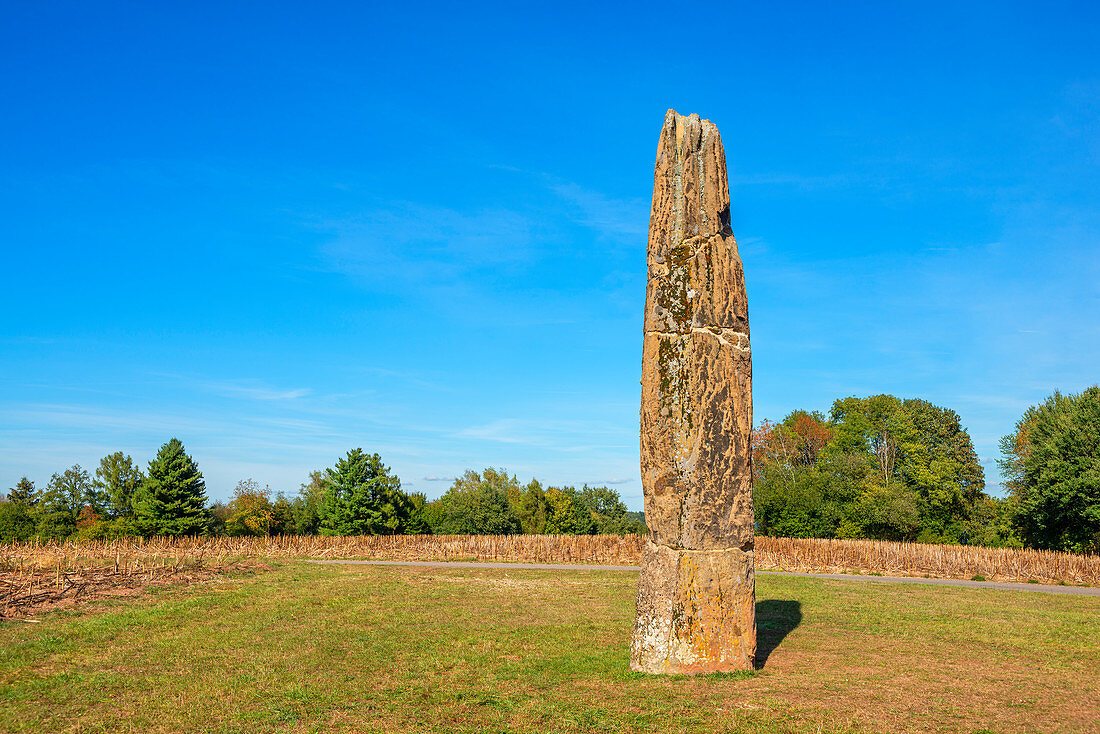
<point x="1042" y="588"/>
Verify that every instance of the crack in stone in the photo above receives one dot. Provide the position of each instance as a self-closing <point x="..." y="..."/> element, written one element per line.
<point x="722" y="335"/>
<point x="747" y="547"/>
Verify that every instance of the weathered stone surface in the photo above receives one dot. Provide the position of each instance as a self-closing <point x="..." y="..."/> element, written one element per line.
<point x="695" y="440"/>
<point x="696" y="417"/>
<point x="700" y="611"/>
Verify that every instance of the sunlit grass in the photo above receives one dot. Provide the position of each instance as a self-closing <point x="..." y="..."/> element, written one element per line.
<point x="330" y="648"/>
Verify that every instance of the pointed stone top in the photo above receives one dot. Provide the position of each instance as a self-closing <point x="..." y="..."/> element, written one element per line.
<point x="693" y="120"/>
<point x="690" y="189"/>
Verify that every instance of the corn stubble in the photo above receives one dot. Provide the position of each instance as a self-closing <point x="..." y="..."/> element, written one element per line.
<point x="57" y="580"/>
<point x="803" y="555"/>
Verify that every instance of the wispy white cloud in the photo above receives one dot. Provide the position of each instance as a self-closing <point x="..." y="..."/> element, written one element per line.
<point x="799" y="180"/>
<point x="480" y="267"/>
<point x="279" y="449"/>
<point x="402" y="242"/>
<point x="248" y="388"/>
<point x="435" y="478"/>
<point x="561" y="435"/>
<point x="38" y="416"/>
<point x="406" y="377"/>
<point x="616" y="218"/>
<point x="506" y="430"/>
<point x="260" y="393"/>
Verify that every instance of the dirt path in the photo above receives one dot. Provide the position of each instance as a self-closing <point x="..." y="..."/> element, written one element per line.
<point x="1002" y="585"/>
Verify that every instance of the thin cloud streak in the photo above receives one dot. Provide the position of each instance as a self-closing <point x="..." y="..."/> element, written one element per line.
<point x="555" y="434"/>
<point x="615" y="218"/>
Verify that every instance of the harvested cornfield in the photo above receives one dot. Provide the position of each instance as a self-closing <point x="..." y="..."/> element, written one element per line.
<point x="814" y="555"/>
<point x="805" y="555"/>
<point x="33" y="588"/>
<point x="604" y="549"/>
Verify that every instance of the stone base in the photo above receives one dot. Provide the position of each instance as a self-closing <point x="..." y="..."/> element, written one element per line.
<point x="696" y="612"/>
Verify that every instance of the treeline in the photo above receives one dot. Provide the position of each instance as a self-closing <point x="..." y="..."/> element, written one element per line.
<point x="119" y="500"/>
<point x="494" y="503"/>
<point x="892" y="469"/>
<point x="359" y="495"/>
<point x="877" y="468"/>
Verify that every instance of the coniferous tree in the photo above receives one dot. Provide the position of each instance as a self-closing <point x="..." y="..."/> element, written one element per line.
<point x="17" y="512"/>
<point x="23" y="492"/>
<point x="362" y="497"/>
<point x="172" y="498"/>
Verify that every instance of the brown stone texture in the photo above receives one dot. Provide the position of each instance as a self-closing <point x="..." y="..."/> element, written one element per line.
<point x="696" y="593"/>
<point x="700" y="611"/>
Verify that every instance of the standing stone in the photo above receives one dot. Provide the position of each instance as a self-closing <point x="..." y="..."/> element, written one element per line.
<point x="696" y="610"/>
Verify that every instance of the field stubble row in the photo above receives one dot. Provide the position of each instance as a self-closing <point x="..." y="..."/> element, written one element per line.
<point x="800" y="555"/>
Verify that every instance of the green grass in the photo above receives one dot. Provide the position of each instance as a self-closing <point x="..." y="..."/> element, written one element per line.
<point x="354" y="648"/>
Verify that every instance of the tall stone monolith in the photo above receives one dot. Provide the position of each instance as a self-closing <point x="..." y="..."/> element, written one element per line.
<point x="696" y="595"/>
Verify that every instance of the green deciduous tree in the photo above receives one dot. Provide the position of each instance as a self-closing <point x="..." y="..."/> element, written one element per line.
<point x="480" y="504"/>
<point x="250" y="511"/>
<point x="804" y="482"/>
<point x="420" y="513"/>
<point x="924" y="448"/>
<point x="877" y="467"/>
<point x="940" y="465"/>
<point x="117" y="479"/>
<point x="433" y="515"/>
<point x="172" y="499"/>
<point x="217" y="514"/>
<point x="494" y="502"/>
<point x="306" y="508"/>
<point x="1052" y="467"/>
<point x="282" y="515"/>
<point x="17" y="522"/>
<point x="60" y="504"/>
<point x="362" y="497"/>
<point x="610" y="513"/>
<point x="992" y="523"/>
<point x="567" y="514"/>
<point x="532" y="508"/>
<point x="883" y="512"/>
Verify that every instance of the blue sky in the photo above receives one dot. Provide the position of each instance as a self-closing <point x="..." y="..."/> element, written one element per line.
<point x="279" y="231"/>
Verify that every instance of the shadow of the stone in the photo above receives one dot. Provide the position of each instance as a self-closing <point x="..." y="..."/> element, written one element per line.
<point x="775" y="618"/>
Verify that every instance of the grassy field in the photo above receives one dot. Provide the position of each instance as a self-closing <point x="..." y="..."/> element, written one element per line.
<point x="352" y="648"/>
